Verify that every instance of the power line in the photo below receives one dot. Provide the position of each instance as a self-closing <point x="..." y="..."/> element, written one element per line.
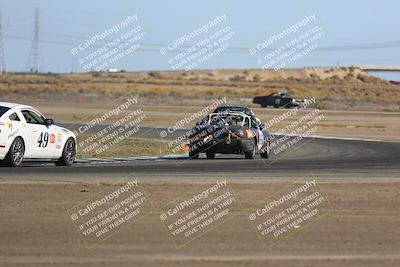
<point x="57" y="39"/>
<point x="156" y="46"/>
<point x="244" y="50"/>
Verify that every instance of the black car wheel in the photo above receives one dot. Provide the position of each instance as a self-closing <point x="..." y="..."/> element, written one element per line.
<point x="210" y="154"/>
<point x="277" y="103"/>
<point x="250" y="154"/>
<point x="266" y="150"/>
<point x="16" y="153"/>
<point x="69" y="154"/>
<point x="193" y="155"/>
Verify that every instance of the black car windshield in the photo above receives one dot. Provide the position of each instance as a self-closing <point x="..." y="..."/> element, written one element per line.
<point x="233" y="109"/>
<point x="3" y="110"/>
<point x="229" y="119"/>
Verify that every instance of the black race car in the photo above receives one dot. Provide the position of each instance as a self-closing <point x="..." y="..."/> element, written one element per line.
<point x="277" y="100"/>
<point x="229" y="132"/>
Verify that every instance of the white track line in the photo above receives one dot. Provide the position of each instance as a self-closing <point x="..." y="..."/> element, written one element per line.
<point x="336" y="137"/>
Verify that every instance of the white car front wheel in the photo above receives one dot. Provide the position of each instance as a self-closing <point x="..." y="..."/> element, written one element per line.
<point x="69" y="154"/>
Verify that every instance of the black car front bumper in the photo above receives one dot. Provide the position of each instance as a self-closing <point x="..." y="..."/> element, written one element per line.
<point x="227" y="146"/>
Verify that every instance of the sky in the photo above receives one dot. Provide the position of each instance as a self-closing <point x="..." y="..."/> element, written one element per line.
<point x="356" y="32"/>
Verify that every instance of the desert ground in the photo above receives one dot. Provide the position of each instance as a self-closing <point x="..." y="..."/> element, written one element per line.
<point x="358" y="175"/>
<point x="361" y="230"/>
<point x="346" y="88"/>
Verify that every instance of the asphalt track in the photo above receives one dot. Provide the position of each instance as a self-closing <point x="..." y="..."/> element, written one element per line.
<point x="325" y="158"/>
<point x="361" y="231"/>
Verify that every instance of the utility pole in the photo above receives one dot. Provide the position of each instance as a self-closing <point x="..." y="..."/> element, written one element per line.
<point x="2" y="54"/>
<point x="34" y="55"/>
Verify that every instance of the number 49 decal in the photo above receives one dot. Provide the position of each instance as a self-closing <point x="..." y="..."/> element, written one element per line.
<point x="43" y="139"/>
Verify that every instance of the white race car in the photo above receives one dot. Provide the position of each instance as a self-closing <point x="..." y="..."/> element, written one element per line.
<point x="25" y="134"/>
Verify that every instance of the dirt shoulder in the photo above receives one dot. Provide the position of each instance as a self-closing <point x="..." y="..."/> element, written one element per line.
<point x="345" y="88"/>
<point x="361" y="230"/>
<point x="349" y="124"/>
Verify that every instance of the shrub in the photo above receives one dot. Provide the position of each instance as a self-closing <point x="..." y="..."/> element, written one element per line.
<point x="155" y="74"/>
<point x="335" y="77"/>
<point x="314" y="76"/>
<point x="349" y="77"/>
<point x="257" y="78"/>
<point x="96" y="74"/>
<point x="237" y="78"/>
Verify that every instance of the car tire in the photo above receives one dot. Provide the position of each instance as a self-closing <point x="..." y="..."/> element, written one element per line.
<point x="252" y="153"/>
<point x="193" y="155"/>
<point x="15" y="154"/>
<point x="69" y="153"/>
<point x="277" y="103"/>
<point x="264" y="105"/>
<point x="265" y="153"/>
<point x="210" y="154"/>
